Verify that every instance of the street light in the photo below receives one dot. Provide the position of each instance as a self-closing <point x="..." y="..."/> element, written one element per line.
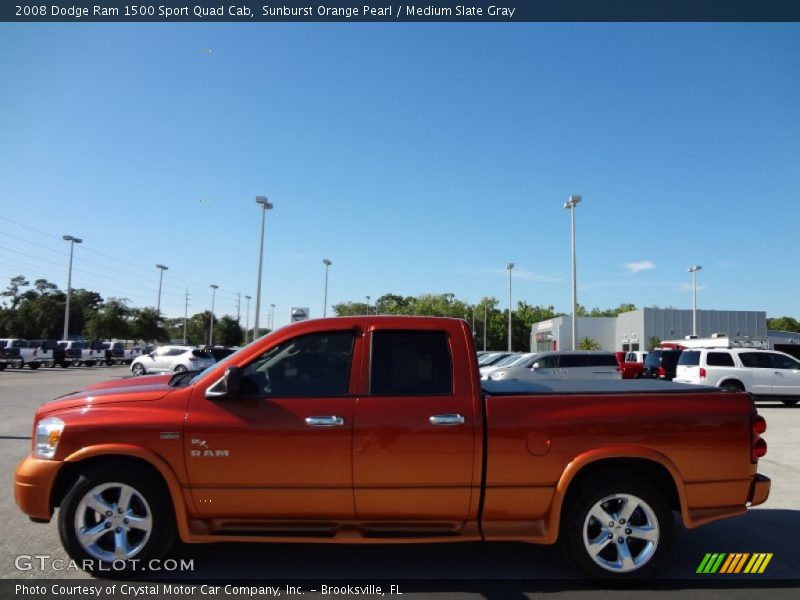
<point x="570" y="205"/>
<point x="211" y="330"/>
<point x="265" y="205"/>
<point x="693" y="270"/>
<point x="271" y="317"/>
<point x="160" y="279"/>
<point x="509" y="266"/>
<point x="247" y="319"/>
<point x="72" y="241"/>
<point x="368" y="305"/>
<point x="327" y="264"/>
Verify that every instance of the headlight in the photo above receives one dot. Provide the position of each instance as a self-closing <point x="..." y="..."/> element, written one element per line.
<point x="48" y="432"/>
<point x="495" y="375"/>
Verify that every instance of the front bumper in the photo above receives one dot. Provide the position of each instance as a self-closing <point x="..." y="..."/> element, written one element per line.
<point x="33" y="486"/>
<point x="759" y="490"/>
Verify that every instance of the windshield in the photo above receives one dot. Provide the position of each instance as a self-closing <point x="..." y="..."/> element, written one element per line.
<point x="226" y="360"/>
<point x="508" y="360"/>
<point x="521" y="360"/>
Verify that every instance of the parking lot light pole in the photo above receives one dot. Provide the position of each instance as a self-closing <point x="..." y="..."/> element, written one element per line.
<point x="509" y="266"/>
<point x="247" y="319"/>
<point x="368" y="305"/>
<point x="570" y="205"/>
<point x="162" y="268"/>
<point x="211" y="329"/>
<point x="327" y="264"/>
<point x="693" y="270"/>
<point x="271" y="318"/>
<point x="265" y="206"/>
<point x="72" y="241"/>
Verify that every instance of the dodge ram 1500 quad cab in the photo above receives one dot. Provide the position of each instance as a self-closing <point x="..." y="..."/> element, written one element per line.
<point x="376" y="429"/>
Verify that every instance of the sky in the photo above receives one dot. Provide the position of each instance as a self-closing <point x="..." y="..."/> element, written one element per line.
<point x="418" y="158"/>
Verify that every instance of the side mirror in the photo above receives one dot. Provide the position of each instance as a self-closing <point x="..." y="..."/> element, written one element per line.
<point x="535" y="365"/>
<point x="230" y="386"/>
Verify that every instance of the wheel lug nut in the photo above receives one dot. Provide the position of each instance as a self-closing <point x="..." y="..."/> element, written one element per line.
<point x="610" y="536"/>
<point x="119" y="510"/>
<point x="620" y="540"/>
<point x="126" y="522"/>
<point x="627" y="532"/>
<point x="107" y="525"/>
<point x="611" y="523"/>
<point x="119" y="530"/>
<point x="108" y="513"/>
<point x="622" y="521"/>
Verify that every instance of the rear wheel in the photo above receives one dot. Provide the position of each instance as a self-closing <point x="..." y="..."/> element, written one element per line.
<point x="180" y="369"/>
<point x="88" y="363"/>
<point x="63" y="364"/>
<point x="732" y="386"/>
<point x="116" y="513"/>
<point x="617" y="528"/>
<point x="138" y="369"/>
<point x="34" y="365"/>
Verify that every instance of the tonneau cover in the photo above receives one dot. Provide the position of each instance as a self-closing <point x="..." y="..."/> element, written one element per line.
<point x="590" y="386"/>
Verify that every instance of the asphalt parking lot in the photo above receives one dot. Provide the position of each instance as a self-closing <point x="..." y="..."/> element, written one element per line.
<point x="771" y="528"/>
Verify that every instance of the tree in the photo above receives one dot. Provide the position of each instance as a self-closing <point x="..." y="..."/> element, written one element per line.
<point x="111" y="321"/>
<point x="13" y="289"/>
<point x="148" y="325"/>
<point x="588" y="343"/>
<point x="228" y="332"/>
<point x="783" y="324"/>
<point x="653" y="342"/>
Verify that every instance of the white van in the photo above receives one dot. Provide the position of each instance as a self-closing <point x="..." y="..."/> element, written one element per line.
<point x="564" y="364"/>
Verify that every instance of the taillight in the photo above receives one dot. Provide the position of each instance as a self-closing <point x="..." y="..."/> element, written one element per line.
<point x="662" y="372"/>
<point x="702" y="373"/>
<point x="758" y="446"/>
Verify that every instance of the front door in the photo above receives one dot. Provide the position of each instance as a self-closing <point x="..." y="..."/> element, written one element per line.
<point x="413" y="439"/>
<point x="282" y="451"/>
<point x="786" y="375"/>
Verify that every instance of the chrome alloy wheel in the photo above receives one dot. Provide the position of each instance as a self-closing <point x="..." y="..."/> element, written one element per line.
<point x="621" y="533"/>
<point x="113" y="522"/>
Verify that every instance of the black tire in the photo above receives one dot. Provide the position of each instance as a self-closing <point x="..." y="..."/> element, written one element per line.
<point x="34" y="365"/>
<point x="138" y="370"/>
<point x="88" y="363"/>
<point x="2" y="366"/>
<point x="180" y="369"/>
<point x="64" y="364"/>
<point x="651" y="509"/>
<point x="157" y="504"/>
<point x="791" y="402"/>
<point x="732" y="386"/>
<point x="109" y="362"/>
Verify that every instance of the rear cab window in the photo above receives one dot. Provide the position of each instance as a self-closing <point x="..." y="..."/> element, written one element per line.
<point x="689" y="358"/>
<point x="410" y="363"/>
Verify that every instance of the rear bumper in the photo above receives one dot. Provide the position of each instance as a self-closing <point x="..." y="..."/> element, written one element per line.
<point x="33" y="486"/>
<point x="759" y="490"/>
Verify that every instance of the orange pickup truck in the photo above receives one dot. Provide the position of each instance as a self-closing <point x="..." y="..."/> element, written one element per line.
<point x="376" y="429"/>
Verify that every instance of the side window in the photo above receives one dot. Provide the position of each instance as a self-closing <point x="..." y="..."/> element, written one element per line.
<point x="314" y="365"/>
<point x="548" y="362"/>
<point x="779" y="361"/>
<point x="572" y="360"/>
<point x="757" y="360"/>
<point x="719" y="359"/>
<point x="410" y="363"/>
<point x="601" y="360"/>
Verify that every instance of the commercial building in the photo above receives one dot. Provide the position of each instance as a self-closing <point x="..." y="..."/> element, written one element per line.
<point x="635" y="330"/>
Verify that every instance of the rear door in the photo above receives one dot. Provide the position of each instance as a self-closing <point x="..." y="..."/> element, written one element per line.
<point x="573" y="366"/>
<point x="759" y="370"/>
<point x="786" y="375"/>
<point x="414" y="430"/>
<point x="602" y="366"/>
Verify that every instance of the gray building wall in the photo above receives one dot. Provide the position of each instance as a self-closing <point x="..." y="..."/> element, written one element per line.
<point x="638" y="326"/>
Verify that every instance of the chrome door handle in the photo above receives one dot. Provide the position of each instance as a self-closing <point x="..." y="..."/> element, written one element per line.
<point x="331" y="421"/>
<point x="447" y="419"/>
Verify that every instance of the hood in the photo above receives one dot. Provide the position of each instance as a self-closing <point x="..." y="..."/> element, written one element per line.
<point x="130" y="381"/>
<point x="134" y="392"/>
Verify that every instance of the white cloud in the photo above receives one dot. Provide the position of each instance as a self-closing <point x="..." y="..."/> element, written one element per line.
<point x="642" y="265"/>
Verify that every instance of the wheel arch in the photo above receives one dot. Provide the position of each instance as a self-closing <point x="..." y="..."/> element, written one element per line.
<point x="644" y="462"/>
<point x="78" y="462"/>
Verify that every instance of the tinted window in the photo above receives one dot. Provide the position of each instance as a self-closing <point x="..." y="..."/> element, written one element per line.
<point x="779" y="361"/>
<point x="201" y="353"/>
<point x="410" y="362"/>
<point x="719" y="359"/>
<point x="572" y="360"/>
<point x="548" y="362"/>
<point x="631" y="357"/>
<point x="690" y="358"/>
<point x="315" y="365"/>
<point x="3" y="343"/>
<point x="756" y="360"/>
<point x="653" y="359"/>
<point x="669" y="358"/>
<point x="19" y="344"/>
<point x="77" y="345"/>
<point x="601" y="360"/>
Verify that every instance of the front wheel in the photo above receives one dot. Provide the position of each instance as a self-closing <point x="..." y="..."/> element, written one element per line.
<point x="617" y="528"/>
<point x="116" y="514"/>
<point x="34" y="365"/>
<point x="181" y="369"/>
<point x="138" y="369"/>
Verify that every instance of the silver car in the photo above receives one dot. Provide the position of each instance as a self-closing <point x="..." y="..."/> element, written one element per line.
<point x="566" y="364"/>
<point x="168" y="359"/>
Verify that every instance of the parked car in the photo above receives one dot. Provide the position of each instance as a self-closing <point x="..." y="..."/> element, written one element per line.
<point x="491" y="358"/>
<point x="172" y="358"/>
<point x="319" y="433"/>
<point x="661" y="364"/>
<point x="19" y="353"/>
<point x="114" y="352"/>
<point x="768" y="375"/>
<point x="89" y="355"/>
<point x="632" y="364"/>
<point x="563" y="364"/>
<point x="132" y="353"/>
<point x="507" y="360"/>
<point x="54" y="352"/>
<point x="516" y="360"/>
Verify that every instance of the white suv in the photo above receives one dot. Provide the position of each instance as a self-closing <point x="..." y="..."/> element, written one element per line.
<point x="167" y="359"/>
<point x="764" y="373"/>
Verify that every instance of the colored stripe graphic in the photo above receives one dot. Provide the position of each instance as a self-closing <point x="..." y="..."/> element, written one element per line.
<point x="729" y="564"/>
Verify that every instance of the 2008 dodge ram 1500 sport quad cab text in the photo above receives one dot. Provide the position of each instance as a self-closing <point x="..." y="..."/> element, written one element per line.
<point x="376" y="429"/>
